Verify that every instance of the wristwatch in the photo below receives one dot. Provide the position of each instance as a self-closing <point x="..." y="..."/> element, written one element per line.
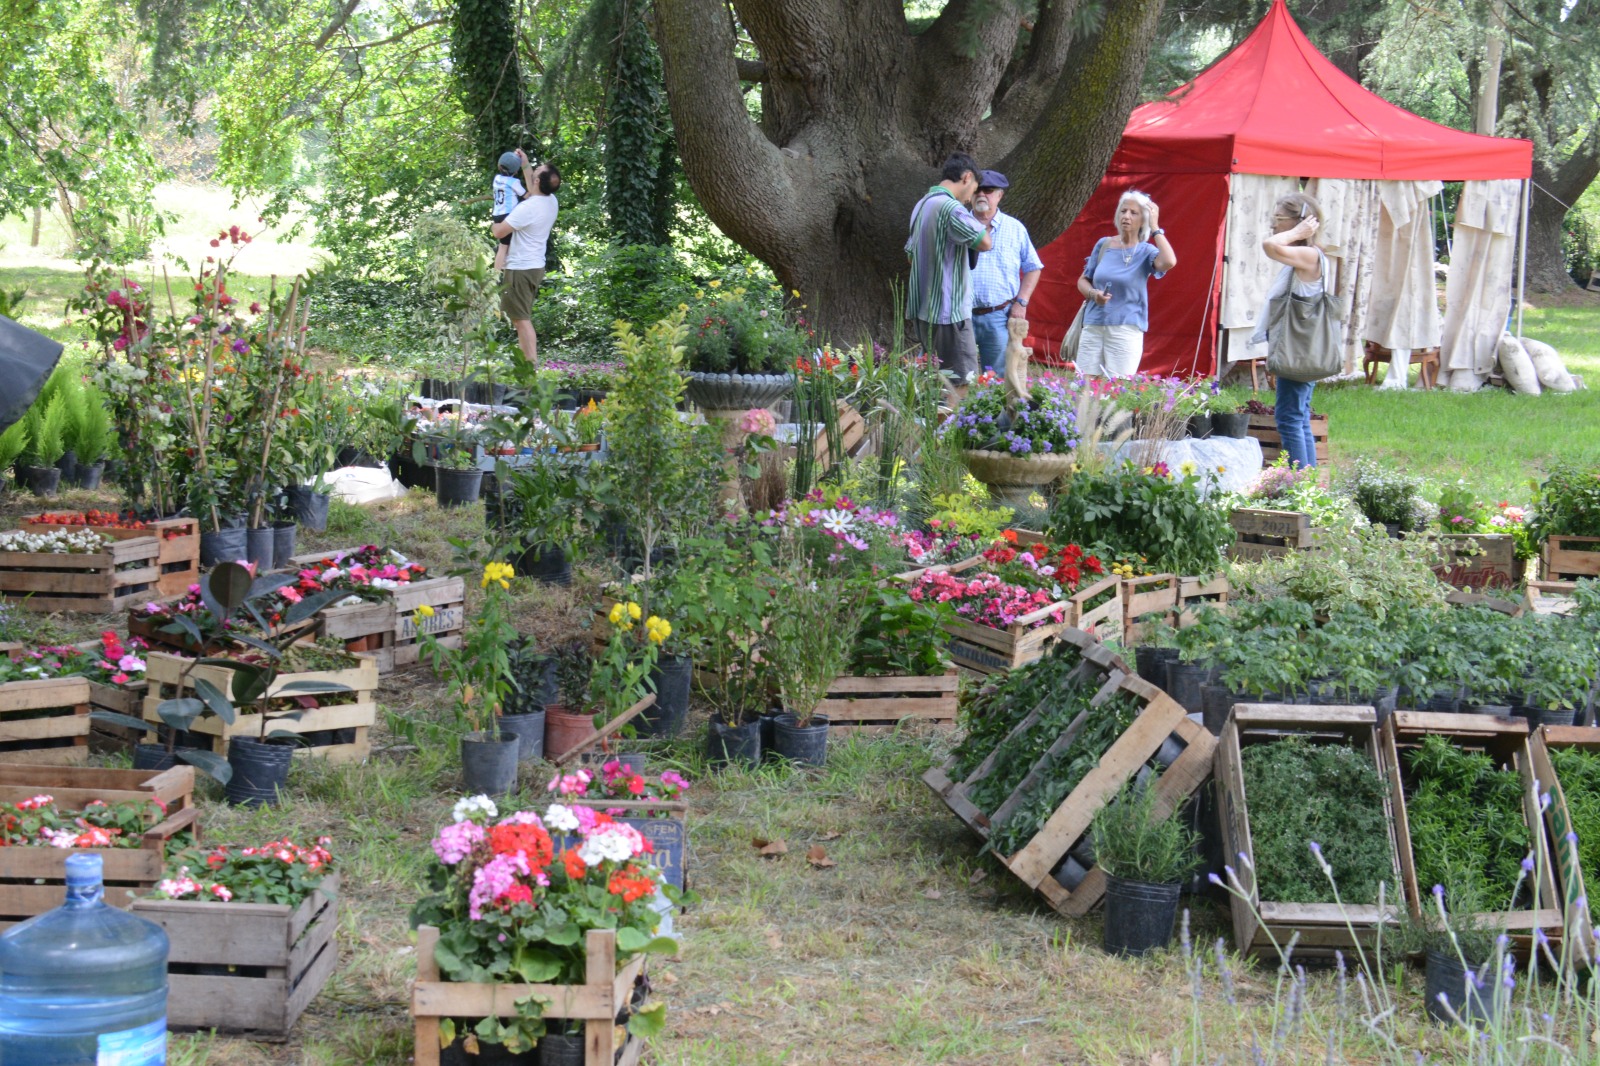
<point x="1019" y="301"/>
<point x="1159" y="231"/>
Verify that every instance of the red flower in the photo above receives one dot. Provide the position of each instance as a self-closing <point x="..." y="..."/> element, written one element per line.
<point x="517" y="893"/>
<point x="575" y="866"/>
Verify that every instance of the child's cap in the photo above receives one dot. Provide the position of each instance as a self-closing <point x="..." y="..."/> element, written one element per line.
<point x="510" y="163"/>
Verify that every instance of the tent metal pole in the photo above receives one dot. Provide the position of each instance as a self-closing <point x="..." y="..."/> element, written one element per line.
<point x="1522" y="253"/>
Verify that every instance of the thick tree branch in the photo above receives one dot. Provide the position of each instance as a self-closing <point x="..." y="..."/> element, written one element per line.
<point x="740" y="176"/>
<point x="960" y="59"/>
<point x="339" y="19"/>
<point x="392" y="38"/>
<point x="750" y="69"/>
<point x="1059" y="163"/>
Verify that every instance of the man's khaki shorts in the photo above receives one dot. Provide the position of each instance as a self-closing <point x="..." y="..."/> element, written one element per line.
<point x="516" y="298"/>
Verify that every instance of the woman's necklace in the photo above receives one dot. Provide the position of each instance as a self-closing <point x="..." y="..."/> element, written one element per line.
<point x="1127" y="254"/>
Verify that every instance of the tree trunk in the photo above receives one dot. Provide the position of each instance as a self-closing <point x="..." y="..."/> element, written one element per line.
<point x="38" y="221"/>
<point x="857" y="114"/>
<point x="1547" y="267"/>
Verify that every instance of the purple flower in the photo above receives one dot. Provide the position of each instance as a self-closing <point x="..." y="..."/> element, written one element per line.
<point x="1527" y="865"/>
<point x="241" y="347"/>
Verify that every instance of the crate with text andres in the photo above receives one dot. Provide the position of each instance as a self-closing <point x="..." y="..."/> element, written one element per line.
<point x="177" y="539"/>
<point x="1505" y="741"/>
<point x="385" y="626"/>
<point x="334" y="722"/>
<point x="33" y="879"/>
<point x="1160" y="744"/>
<point x="1264" y="926"/>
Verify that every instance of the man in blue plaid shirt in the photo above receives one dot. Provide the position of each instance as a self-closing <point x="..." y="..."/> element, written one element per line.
<point x="1006" y="274"/>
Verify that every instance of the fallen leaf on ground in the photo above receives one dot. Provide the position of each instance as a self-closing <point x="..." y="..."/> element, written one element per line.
<point x="817" y="856"/>
<point x="769" y="848"/>
<point x="933" y="893"/>
<point x="774" y="940"/>
<point x="830" y="836"/>
<point x="1160" y="1058"/>
<point x="977" y="875"/>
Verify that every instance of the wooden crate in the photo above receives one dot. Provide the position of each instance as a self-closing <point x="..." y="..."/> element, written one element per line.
<point x="1264" y="927"/>
<point x="1506" y="739"/>
<point x="1264" y="428"/>
<point x="448" y="598"/>
<point x="385" y="628"/>
<point x="1141" y="596"/>
<point x="1034" y="864"/>
<point x="1570" y="875"/>
<point x="178" y="557"/>
<point x="596" y="1002"/>
<point x="273" y="959"/>
<point x="77" y="786"/>
<point x="1564" y="561"/>
<point x="45" y="722"/>
<point x="46" y="581"/>
<point x="165" y="673"/>
<point x="1479" y="561"/>
<point x="885" y="704"/>
<point x="34" y="879"/>
<point x="1261" y="534"/>
<point x="1197" y="592"/>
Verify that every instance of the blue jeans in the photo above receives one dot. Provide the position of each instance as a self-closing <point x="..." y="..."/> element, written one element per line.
<point x="992" y="336"/>
<point x="1293" y="414"/>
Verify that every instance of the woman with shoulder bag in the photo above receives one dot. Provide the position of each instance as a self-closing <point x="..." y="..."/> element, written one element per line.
<point x="1115" y="288"/>
<point x="1299" y="324"/>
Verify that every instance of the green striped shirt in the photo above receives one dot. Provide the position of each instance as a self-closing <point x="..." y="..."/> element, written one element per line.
<point x="941" y="281"/>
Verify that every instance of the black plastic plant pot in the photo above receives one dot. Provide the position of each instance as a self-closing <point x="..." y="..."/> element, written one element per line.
<point x="40" y="480"/>
<point x="456" y="488"/>
<point x="1140" y="917"/>
<point x="561" y="1049"/>
<point x="283" y="538"/>
<point x="223" y="546"/>
<point x="1200" y="426"/>
<point x="633" y="761"/>
<point x="1183" y="683"/>
<point x="412" y="474"/>
<point x="1216" y="701"/>
<point x="734" y="744"/>
<point x="89" y="475"/>
<point x="260" y="771"/>
<point x="310" y="509"/>
<point x="153" y="757"/>
<point x="1151" y="663"/>
<point x="356" y="457"/>
<point x="1447" y="977"/>
<point x="486" y="392"/>
<point x="528" y="728"/>
<point x="769" y="735"/>
<point x="545" y="563"/>
<point x="68" y="465"/>
<point x="671" y="678"/>
<point x="804" y="744"/>
<point x="499" y="1055"/>
<point x="1230" y="424"/>
<point x="489" y="763"/>
<point x="260" y="548"/>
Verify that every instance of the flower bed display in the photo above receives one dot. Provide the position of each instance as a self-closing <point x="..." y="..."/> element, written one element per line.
<point x="114" y="671"/>
<point x="44" y="720"/>
<point x="1298" y="900"/>
<point x="240" y="961"/>
<point x="382" y="621"/>
<point x="86" y="810"/>
<point x="178" y="554"/>
<point x="335" y="725"/>
<point x="1051" y="764"/>
<point x="1503" y="742"/>
<point x="78" y="570"/>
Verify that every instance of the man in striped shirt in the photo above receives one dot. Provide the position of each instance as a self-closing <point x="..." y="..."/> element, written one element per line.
<point x="939" y="297"/>
<point x="1005" y="276"/>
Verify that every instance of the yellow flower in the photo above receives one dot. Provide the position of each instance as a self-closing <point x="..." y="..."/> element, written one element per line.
<point x="657" y="629"/>
<point x="795" y="293"/>
<point x="498" y="572"/>
<point x="615" y="617"/>
<point x="715" y="283"/>
<point x="739" y="290"/>
<point x="424" y="611"/>
<point x="1188" y="468"/>
<point x="1222" y="470"/>
<point x="634" y="612"/>
<point x="683" y="307"/>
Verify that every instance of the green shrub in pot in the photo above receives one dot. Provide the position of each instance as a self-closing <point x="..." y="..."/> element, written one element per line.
<point x="1132" y="842"/>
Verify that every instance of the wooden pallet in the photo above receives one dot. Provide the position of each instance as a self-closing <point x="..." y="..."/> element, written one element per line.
<point x="1264" y="428"/>
<point x="1264" y="927"/>
<point x="358" y="709"/>
<point x="178" y="557"/>
<point x="1035" y="863"/>
<point x="1569" y="871"/>
<point x="1197" y="592"/>
<point x="1141" y="596"/>
<point x="1262" y="534"/>
<point x="273" y="958"/>
<point x="45" y="722"/>
<point x="1506" y="740"/>
<point x="1479" y="561"/>
<point x="890" y="702"/>
<point x="34" y="879"/>
<point x="596" y="1002"/>
<point x="122" y="575"/>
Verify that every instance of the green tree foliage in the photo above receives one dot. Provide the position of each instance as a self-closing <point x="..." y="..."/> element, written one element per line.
<point x="483" y="54"/>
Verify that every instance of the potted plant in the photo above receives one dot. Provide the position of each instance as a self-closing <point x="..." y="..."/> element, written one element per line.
<point x="519" y="899"/>
<point x="622" y="669"/>
<point x="812" y="622"/>
<point x="1465" y="957"/>
<point x="1017" y="448"/>
<point x="1560" y="671"/>
<point x="1151" y="512"/>
<point x="88" y="436"/>
<point x="44" y="428"/>
<point x="567" y="722"/>
<point x="457" y="476"/>
<point x="522" y="714"/>
<point x="1146" y="859"/>
<point x="1387" y="498"/>
<point x="479" y="675"/>
<point x="739" y="354"/>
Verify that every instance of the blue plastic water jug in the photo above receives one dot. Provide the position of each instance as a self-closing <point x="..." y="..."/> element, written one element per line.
<point x="84" y="984"/>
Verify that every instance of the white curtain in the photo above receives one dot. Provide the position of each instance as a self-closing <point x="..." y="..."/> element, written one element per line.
<point x="1248" y="274"/>
<point x="1403" y="311"/>
<point x="1348" y="236"/>
<point x="1477" y="296"/>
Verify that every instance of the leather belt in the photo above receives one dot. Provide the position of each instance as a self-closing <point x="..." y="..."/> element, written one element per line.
<point x="996" y="307"/>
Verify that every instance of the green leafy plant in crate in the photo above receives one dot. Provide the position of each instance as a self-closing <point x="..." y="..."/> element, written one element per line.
<point x="996" y="708"/>
<point x="1466" y="822"/>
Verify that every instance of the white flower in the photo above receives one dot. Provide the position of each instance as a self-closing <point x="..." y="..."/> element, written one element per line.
<point x="471" y="806"/>
<point x="560" y="819"/>
<point x="331" y="575"/>
<point x="384" y="583"/>
<point x="351" y="601"/>
<point x="837" y="521"/>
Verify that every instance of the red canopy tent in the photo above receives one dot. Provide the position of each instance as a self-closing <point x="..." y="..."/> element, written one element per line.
<point x="1274" y="105"/>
